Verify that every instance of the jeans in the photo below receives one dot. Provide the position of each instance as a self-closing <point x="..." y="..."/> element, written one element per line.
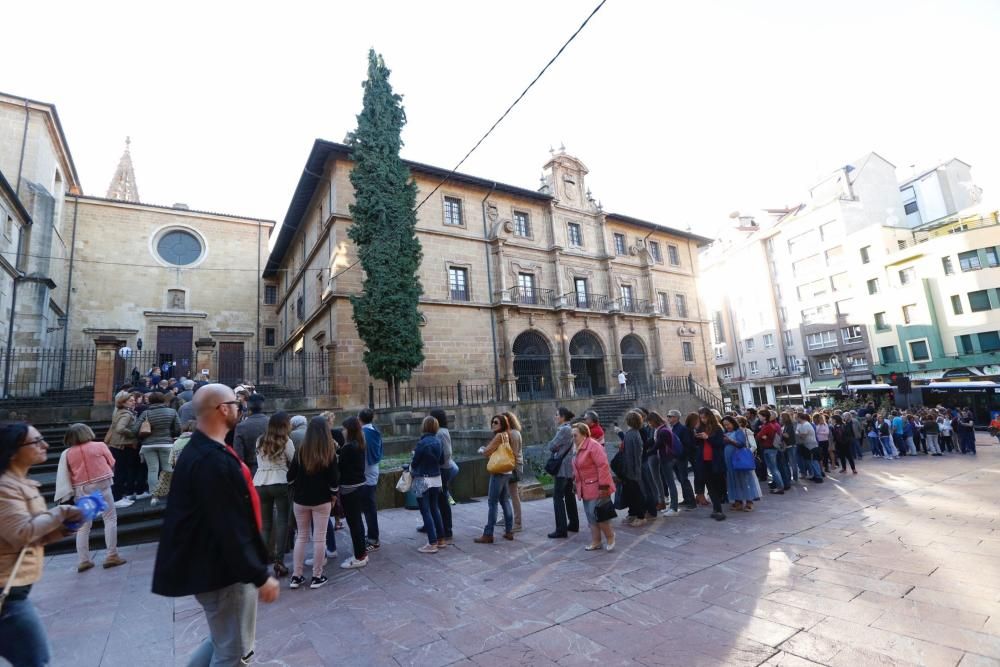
<point x="911" y="448"/>
<point x="654" y="482"/>
<point x="370" y="511"/>
<point x="876" y="446"/>
<point x="109" y="516"/>
<point x="856" y="449"/>
<point x="564" y="503"/>
<point x="431" y="512"/>
<point x="354" y="505"/>
<point x="888" y="447"/>
<point x="23" y="641"/>
<point x="946" y="442"/>
<point x="231" y="613"/>
<point x="771" y="459"/>
<point x="499" y="493"/>
<point x="792" y="454"/>
<point x="667" y="479"/>
<point x="648" y="481"/>
<point x="320" y="517"/>
<point x="274" y="518"/>
<point x="126" y="472"/>
<point x="824" y="454"/>
<point x="681" y="473"/>
<point x="786" y="470"/>
<point x="845" y="456"/>
<point x="812" y="466"/>
<point x="932" y="443"/>
<point x="156" y="460"/>
<point x="899" y="444"/>
<point x="443" y="505"/>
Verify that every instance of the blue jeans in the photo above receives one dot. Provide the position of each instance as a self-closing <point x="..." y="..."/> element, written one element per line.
<point x="771" y="459"/>
<point x="23" y="641"/>
<point x="792" y="454"/>
<point x="231" y="613"/>
<point x="786" y="469"/>
<point x="499" y="494"/>
<point x="431" y="512"/>
<point x="331" y="535"/>
<point x="681" y="469"/>
<point x="667" y="476"/>
<point x="875" y="445"/>
<point x="856" y="448"/>
<point x="370" y="512"/>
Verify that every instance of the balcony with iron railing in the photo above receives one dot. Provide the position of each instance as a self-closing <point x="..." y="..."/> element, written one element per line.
<point x="638" y="306"/>
<point x="528" y="296"/>
<point x="954" y="225"/>
<point x="587" y="301"/>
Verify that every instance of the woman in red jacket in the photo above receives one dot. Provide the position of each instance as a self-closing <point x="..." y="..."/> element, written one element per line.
<point x="594" y="485"/>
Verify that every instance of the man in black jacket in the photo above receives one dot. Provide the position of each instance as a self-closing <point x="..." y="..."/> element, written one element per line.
<point x="210" y="543"/>
<point x="249" y="430"/>
<point x="681" y="463"/>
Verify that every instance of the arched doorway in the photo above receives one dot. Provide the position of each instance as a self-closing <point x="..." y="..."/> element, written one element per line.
<point x="634" y="361"/>
<point x="532" y="366"/>
<point x="587" y="364"/>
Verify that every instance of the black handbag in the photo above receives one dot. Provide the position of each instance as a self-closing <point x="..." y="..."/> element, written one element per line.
<point x="618" y="464"/>
<point x="554" y="463"/>
<point x="605" y="511"/>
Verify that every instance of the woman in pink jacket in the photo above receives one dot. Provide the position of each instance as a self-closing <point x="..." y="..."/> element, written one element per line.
<point x="594" y="485"/>
<point x="91" y="468"/>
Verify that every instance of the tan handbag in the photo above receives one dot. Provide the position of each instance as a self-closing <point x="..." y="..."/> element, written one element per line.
<point x="145" y="428"/>
<point x="502" y="460"/>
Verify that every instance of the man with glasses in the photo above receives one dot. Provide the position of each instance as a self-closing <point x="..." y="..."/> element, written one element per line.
<point x="210" y="544"/>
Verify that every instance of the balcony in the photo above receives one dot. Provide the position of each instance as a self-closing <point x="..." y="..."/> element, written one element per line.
<point x="953" y="225"/>
<point x="528" y="296"/>
<point x="587" y="301"/>
<point x="639" y="306"/>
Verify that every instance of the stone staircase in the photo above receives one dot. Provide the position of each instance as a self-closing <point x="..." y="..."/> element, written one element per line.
<point x="612" y="408"/>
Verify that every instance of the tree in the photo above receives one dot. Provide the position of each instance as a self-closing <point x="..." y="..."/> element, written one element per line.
<point x="384" y="232"/>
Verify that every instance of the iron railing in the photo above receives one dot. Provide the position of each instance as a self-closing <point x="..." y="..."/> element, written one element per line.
<point x="132" y="366"/>
<point x="587" y="301"/>
<point x="459" y="393"/>
<point x="640" y="306"/>
<point x="535" y="387"/>
<point x="38" y="372"/>
<point x="528" y="296"/>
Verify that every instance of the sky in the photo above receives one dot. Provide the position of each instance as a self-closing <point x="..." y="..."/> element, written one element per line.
<point x="683" y="111"/>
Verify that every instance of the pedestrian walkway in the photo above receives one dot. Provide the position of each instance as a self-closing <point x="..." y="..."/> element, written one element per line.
<point x="899" y="564"/>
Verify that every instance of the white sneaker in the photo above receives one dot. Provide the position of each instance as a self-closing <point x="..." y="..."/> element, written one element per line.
<point x="669" y="512"/>
<point x="143" y="496"/>
<point x="154" y="502"/>
<point x="331" y="554"/>
<point x="123" y="503"/>
<point x="352" y="563"/>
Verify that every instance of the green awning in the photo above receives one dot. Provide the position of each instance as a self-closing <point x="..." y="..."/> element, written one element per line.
<point x="824" y="385"/>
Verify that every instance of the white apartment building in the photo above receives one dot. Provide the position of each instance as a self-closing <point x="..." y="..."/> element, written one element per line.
<point x="788" y="290"/>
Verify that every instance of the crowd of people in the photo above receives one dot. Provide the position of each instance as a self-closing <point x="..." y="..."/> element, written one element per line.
<point x="242" y="489"/>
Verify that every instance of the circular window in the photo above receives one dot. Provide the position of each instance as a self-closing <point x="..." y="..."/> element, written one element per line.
<point x="179" y="247"/>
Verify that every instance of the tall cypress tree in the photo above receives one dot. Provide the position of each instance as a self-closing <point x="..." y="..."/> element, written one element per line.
<point x="384" y="232"/>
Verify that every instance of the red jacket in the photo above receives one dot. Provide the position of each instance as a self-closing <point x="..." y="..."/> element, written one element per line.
<point x="591" y="471"/>
<point x="768" y="433"/>
<point x="89" y="462"/>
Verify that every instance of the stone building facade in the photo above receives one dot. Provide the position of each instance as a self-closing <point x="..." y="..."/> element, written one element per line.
<point x="540" y="292"/>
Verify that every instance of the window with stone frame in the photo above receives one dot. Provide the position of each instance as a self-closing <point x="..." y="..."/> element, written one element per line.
<point x="458" y="283"/>
<point x="681" y="302"/>
<point x="575" y="234"/>
<point x="674" y="255"/>
<point x="688" y="351"/>
<point x="619" y="243"/>
<point x="453" y="212"/>
<point x="664" y="303"/>
<point x="654" y="252"/>
<point x="270" y="295"/>
<point x="522" y="224"/>
<point x="269" y="336"/>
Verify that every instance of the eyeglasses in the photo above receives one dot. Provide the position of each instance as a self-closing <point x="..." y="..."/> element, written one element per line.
<point x="228" y="403"/>
<point x="36" y="442"/>
<point x="495" y="421"/>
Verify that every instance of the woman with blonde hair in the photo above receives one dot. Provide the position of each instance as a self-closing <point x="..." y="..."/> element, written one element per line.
<point x="517" y="444"/>
<point x="91" y="468"/>
<point x="594" y="484"/>
<point x="314" y="478"/>
<point x="275" y="452"/>
<point x="124" y="445"/>
<point x="499" y="489"/>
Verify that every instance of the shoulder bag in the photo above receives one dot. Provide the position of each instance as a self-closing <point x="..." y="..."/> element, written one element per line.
<point x="145" y="428"/>
<point x="13" y="575"/>
<point x="743" y="459"/>
<point x="405" y="482"/>
<point x="502" y="459"/>
<point x="605" y="511"/>
<point x="554" y="464"/>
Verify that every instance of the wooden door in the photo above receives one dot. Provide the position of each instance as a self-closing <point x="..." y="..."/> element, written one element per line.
<point x="174" y="351"/>
<point x="231" y="363"/>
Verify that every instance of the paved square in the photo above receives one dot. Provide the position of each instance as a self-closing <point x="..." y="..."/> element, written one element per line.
<point x="899" y="565"/>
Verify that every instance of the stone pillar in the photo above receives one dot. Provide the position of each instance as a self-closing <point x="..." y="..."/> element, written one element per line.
<point x="654" y="335"/>
<point x="204" y="359"/>
<point x="566" y="387"/>
<point x="508" y="383"/>
<point x="616" y="354"/>
<point x="104" y="369"/>
<point x="500" y="280"/>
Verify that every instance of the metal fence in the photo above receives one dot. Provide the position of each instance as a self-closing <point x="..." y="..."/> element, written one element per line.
<point x="438" y="396"/>
<point x="302" y="373"/>
<point x="37" y="372"/>
<point x="133" y="365"/>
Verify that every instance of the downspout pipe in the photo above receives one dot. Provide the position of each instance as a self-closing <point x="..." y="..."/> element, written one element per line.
<point x="69" y="294"/>
<point x="256" y="380"/>
<point x="489" y="287"/>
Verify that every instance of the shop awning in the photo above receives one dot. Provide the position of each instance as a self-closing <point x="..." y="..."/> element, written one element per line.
<point x="962" y="385"/>
<point x="870" y="387"/>
<point x="926" y="376"/>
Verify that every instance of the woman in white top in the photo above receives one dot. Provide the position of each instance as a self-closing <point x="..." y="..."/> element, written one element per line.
<point x="823" y="438"/>
<point x="274" y="452"/>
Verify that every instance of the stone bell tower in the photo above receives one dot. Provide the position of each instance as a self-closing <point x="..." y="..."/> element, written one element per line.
<point x="123" y="186"/>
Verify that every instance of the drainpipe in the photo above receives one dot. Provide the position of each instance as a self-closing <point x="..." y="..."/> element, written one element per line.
<point x="256" y="380"/>
<point x="24" y="143"/>
<point x="69" y="294"/>
<point x="489" y="286"/>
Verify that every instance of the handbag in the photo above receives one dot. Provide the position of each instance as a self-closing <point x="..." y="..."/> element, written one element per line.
<point x="405" y="482"/>
<point x="743" y="459"/>
<point x="145" y="428"/>
<point x="554" y="463"/>
<point x="618" y="464"/>
<point x="13" y="575"/>
<point x="502" y="459"/>
<point x="605" y="511"/>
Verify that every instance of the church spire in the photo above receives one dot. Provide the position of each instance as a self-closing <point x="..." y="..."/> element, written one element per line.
<point x="123" y="187"/>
